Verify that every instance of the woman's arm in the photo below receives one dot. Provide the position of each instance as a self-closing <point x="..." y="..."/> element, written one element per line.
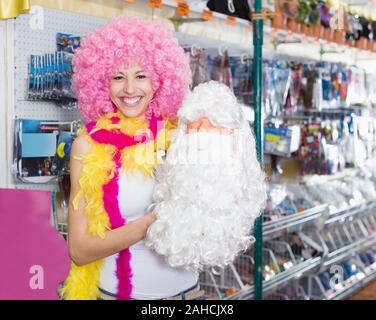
<point x="85" y="248"/>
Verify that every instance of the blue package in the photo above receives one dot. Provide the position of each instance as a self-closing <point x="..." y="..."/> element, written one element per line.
<point x="38" y="145"/>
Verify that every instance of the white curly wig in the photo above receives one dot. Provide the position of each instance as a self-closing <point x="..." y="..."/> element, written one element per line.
<point x="211" y="188"/>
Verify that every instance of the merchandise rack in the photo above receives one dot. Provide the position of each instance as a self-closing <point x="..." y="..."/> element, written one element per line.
<point x="320" y="226"/>
<point x="295" y="222"/>
<point x="351" y="288"/>
<point x="316" y="291"/>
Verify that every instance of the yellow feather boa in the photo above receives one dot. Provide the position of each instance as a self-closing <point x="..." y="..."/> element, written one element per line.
<point x="98" y="169"/>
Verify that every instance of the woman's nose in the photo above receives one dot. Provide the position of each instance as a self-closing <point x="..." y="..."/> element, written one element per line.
<point x="129" y="86"/>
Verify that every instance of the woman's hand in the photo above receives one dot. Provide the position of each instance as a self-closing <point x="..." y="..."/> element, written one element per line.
<point x="149" y="218"/>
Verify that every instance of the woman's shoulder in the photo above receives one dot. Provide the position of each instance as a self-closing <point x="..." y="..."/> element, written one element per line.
<point x="81" y="145"/>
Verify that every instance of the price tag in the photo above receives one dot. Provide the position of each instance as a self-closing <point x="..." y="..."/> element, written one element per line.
<point x="155" y="4"/>
<point x="231" y="21"/>
<point x="183" y="9"/>
<point x="207" y="15"/>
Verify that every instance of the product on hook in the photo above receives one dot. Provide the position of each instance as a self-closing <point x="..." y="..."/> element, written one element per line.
<point x="49" y="78"/>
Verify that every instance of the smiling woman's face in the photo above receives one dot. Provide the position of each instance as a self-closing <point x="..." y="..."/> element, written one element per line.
<point x="131" y="91"/>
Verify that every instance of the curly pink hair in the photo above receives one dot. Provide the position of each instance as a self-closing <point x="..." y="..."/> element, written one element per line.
<point x="126" y="41"/>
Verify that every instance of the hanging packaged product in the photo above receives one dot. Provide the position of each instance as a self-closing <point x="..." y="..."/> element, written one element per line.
<point x="242" y="79"/>
<point x="335" y="85"/>
<point x="309" y="151"/>
<point x="42" y="149"/>
<point x="66" y="42"/>
<point x="309" y="79"/>
<point x="277" y="83"/>
<point x="220" y="69"/>
<point x="295" y="94"/>
<point x="343" y="84"/>
<point x="317" y="97"/>
<point x="356" y="92"/>
<point x="326" y="85"/>
<point x="282" y="141"/>
<point x="60" y="168"/>
<point x="198" y="62"/>
<point x="34" y="149"/>
<point x="50" y="79"/>
<point x="60" y="164"/>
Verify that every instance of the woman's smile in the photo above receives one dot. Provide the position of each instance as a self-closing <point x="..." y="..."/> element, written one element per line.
<point x="132" y="101"/>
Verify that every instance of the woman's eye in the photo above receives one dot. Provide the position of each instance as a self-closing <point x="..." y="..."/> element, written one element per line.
<point x="141" y="76"/>
<point x="117" y="78"/>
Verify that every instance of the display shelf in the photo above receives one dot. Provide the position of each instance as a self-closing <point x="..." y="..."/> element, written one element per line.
<point x="247" y="292"/>
<point x="294" y="222"/>
<point x="310" y="218"/>
<point x="284" y="277"/>
<point x="348" y="250"/>
<point x="349" y="213"/>
<point x="350" y="287"/>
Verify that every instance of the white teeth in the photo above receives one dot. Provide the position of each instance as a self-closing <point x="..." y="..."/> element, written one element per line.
<point x="131" y="101"/>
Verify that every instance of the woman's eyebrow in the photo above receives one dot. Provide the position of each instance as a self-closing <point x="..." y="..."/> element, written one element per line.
<point x="123" y="73"/>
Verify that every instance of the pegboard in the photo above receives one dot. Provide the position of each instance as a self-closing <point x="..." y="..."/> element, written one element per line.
<point x="28" y="41"/>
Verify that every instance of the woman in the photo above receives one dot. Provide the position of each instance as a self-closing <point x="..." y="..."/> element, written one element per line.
<point x="130" y="78"/>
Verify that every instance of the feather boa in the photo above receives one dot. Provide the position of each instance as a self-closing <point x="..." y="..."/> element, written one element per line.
<point x="116" y="142"/>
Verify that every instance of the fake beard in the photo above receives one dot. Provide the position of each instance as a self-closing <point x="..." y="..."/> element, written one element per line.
<point x="208" y="192"/>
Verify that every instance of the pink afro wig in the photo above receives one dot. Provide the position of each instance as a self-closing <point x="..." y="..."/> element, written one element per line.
<point x="126" y="41"/>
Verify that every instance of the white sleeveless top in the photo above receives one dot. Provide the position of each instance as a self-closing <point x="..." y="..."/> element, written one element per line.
<point x="152" y="277"/>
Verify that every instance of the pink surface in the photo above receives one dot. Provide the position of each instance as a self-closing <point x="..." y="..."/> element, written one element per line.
<point x="33" y="255"/>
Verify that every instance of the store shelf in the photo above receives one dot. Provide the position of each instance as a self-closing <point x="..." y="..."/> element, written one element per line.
<point x="294" y="222"/>
<point x="351" y="287"/>
<point x="347" y="251"/>
<point x="295" y="272"/>
<point x="322" y="220"/>
<point x="279" y="280"/>
<point x="341" y="216"/>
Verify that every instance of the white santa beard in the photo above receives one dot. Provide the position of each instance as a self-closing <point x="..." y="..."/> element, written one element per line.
<point x="206" y="202"/>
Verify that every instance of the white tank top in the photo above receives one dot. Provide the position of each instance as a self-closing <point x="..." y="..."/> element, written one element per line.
<point x="152" y="277"/>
